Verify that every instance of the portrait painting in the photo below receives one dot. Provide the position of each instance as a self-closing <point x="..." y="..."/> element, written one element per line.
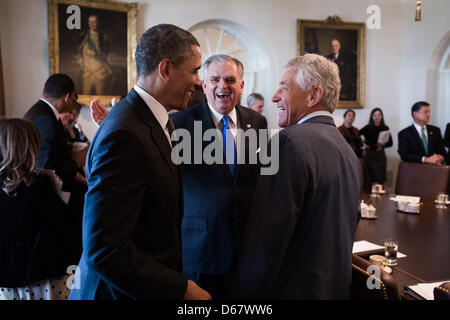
<point x="93" y="42"/>
<point x="344" y="44"/>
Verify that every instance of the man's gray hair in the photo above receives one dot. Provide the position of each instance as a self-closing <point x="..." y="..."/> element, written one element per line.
<point x="253" y="98"/>
<point x="313" y="71"/>
<point x="222" y="58"/>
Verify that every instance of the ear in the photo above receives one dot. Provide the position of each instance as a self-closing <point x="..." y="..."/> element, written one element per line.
<point x="204" y="86"/>
<point x="242" y="84"/>
<point x="163" y="69"/>
<point x="67" y="97"/>
<point x="315" y="96"/>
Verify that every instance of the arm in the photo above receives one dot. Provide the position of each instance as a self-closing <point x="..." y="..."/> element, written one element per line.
<point x="270" y="226"/>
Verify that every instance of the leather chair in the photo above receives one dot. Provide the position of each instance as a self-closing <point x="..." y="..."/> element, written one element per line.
<point x="423" y="180"/>
<point x="360" y="291"/>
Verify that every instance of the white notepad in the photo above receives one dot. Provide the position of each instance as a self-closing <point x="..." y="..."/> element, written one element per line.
<point x="363" y="245"/>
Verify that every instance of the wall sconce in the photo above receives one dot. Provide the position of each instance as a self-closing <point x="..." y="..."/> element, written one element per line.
<point x="418" y="11"/>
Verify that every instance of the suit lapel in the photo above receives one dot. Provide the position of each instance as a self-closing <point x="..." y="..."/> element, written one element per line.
<point x="157" y="133"/>
<point x="243" y="124"/>
<point x="419" y="139"/>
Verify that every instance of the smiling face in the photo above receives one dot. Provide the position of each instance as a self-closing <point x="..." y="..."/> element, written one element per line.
<point x="184" y="78"/>
<point x="223" y="86"/>
<point x="291" y="100"/>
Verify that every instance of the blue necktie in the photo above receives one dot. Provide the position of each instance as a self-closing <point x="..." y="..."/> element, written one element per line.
<point x="229" y="147"/>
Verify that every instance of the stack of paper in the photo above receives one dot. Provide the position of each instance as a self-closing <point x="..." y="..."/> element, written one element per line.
<point x="423" y="290"/>
<point x="406" y="199"/>
<point x="363" y="245"/>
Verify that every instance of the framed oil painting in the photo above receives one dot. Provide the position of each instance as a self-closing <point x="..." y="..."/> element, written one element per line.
<point x="93" y="42"/>
<point x="342" y="43"/>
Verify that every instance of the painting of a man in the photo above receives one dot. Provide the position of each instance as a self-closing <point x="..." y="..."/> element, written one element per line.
<point x="93" y="50"/>
<point x="346" y="62"/>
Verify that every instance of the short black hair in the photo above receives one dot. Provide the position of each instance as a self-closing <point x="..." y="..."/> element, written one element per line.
<point x="349" y="110"/>
<point x="160" y="42"/>
<point x="416" y="106"/>
<point x="58" y="85"/>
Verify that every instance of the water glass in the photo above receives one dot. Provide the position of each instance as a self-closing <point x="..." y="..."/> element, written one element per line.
<point x="390" y="252"/>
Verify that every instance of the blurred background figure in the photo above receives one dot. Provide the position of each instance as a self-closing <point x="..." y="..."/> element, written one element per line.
<point x="73" y="130"/>
<point x="255" y="101"/>
<point x="350" y="133"/>
<point x="36" y="229"/>
<point x="374" y="155"/>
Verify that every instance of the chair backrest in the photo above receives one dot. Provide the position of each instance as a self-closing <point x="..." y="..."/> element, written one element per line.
<point x="383" y="287"/>
<point x="423" y="180"/>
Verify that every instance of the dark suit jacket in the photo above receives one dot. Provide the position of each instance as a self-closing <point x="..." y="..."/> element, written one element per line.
<point x="54" y="153"/>
<point x="133" y="210"/>
<point x="215" y="205"/>
<point x="36" y="235"/>
<point x="299" y="236"/>
<point x="410" y="146"/>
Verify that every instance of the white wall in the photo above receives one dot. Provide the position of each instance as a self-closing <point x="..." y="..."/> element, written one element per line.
<point x="397" y="56"/>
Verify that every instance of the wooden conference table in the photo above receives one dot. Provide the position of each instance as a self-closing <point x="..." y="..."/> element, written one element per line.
<point x="424" y="238"/>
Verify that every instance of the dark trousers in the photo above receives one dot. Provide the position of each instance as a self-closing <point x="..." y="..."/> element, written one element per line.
<point x="217" y="284"/>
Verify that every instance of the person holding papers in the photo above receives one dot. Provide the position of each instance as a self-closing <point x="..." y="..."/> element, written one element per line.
<point x="377" y="137"/>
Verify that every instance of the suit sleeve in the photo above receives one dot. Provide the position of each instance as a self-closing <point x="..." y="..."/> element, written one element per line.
<point x="117" y="185"/>
<point x="271" y="224"/>
<point x="49" y="158"/>
<point x="404" y="149"/>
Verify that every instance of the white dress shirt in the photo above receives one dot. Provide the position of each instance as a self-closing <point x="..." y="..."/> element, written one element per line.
<point x="56" y="113"/>
<point x="314" y="114"/>
<point x="217" y="119"/>
<point x="156" y="108"/>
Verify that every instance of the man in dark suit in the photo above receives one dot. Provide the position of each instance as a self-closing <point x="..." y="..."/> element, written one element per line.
<point x="58" y="97"/>
<point x="421" y="142"/>
<point x="299" y="236"/>
<point x="134" y="205"/>
<point x="217" y="196"/>
<point x="346" y="62"/>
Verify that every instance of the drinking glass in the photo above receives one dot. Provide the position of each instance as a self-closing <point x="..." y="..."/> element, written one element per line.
<point x="441" y="200"/>
<point x="390" y="252"/>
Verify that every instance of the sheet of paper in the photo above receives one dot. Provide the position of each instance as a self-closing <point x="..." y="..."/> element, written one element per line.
<point x="383" y="136"/>
<point x="426" y="289"/>
<point x="363" y="245"/>
<point x="406" y="199"/>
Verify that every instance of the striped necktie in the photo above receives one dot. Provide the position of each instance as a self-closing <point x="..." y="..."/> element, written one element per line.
<point x="424" y="140"/>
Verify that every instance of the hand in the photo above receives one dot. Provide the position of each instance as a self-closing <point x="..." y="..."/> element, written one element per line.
<point x="98" y="112"/>
<point x="80" y="179"/>
<point x="380" y="146"/>
<point x="79" y="156"/>
<point x="194" y="292"/>
<point x="434" y="159"/>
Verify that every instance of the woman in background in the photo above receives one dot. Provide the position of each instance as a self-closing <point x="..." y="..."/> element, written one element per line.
<point x="350" y="133"/>
<point x="35" y="226"/>
<point x="374" y="155"/>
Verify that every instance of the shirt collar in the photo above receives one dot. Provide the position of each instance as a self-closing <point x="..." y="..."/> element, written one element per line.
<point x="156" y="108"/>
<point x="314" y="114"/>
<point x="418" y="127"/>
<point x="55" y="112"/>
<point x="217" y="117"/>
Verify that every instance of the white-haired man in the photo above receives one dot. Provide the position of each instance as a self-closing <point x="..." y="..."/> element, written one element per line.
<point x="300" y="232"/>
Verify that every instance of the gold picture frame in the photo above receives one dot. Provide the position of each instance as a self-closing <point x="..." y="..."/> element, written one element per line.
<point x="111" y="58"/>
<point x="316" y="37"/>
